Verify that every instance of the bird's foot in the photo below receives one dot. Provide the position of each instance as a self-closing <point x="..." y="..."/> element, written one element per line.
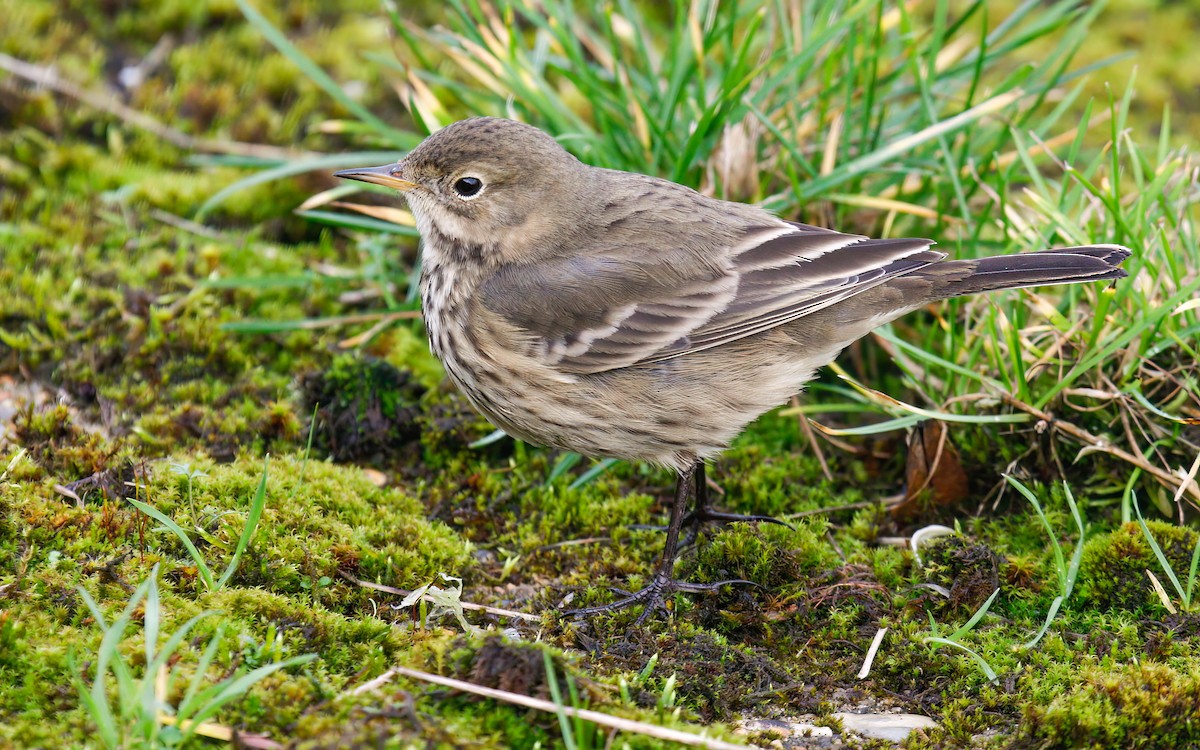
<point x="654" y="597"/>
<point x="705" y="515"/>
<point x="695" y="521"/>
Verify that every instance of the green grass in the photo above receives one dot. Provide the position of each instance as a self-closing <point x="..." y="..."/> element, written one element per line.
<point x="142" y="702"/>
<point x="1067" y="572"/>
<point x="144" y="342"/>
<point x="867" y="118"/>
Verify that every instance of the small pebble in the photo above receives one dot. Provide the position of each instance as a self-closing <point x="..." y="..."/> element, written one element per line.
<point x="893" y="727"/>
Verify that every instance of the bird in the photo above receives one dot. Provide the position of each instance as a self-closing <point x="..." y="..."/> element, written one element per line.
<point x="617" y="314"/>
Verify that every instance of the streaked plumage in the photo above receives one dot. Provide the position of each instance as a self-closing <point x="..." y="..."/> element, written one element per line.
<point x="617" y="314"/>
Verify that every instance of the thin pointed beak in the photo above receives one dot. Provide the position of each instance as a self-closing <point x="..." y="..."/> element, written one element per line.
<point x="385" y="175"/>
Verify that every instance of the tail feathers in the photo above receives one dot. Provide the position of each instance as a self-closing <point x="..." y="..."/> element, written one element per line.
<point x="1069" y="265"/>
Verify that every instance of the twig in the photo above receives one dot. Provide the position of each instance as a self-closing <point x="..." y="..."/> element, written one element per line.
<point x="811" y="436"/>
<point x="829" y="537"/>
<point x="47" y="77"/>
<point x="1188" y="479"/>
<point x="1054" y="349"/>
<point x="465" y="605"/>
<point x="1094" y="443"/>
<point x="370" y="685"/>
<point x="384" y="321"/>
<point x="574" y="542"/>
<point x="602" y="719"/>
<point x="874" y="649"/>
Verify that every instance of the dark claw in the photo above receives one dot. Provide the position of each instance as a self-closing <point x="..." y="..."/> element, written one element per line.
<point x="654" y="597"/>
<point x="697" y="588"/>
<point x="704" y="515"/>
<point x="695" y="520"/>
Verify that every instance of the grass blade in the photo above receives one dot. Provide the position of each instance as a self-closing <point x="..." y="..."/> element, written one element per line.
<point x="1158" y="553"/>
<point x="979" y="660"/>
<point x="590" y="475"/>
<point x="290" y="169"/>
<point x="975" y="618"/>
<point x="181" y="535"/>
<point x="256" y="510"/>
<point x="313" y="71"/>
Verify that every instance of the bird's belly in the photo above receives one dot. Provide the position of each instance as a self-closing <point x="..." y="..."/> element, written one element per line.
<point x="669" y="413"/>
<point x="579" y="414"/>
<point x="632" y="414"/>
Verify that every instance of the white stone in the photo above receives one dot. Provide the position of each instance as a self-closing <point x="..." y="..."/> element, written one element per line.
<point x="892" y="727"/>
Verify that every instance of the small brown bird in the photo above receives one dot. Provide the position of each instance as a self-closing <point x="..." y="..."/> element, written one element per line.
<point x="617" y="314"/>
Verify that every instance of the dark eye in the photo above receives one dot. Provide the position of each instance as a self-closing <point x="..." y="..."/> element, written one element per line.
<point x="467" y="187"/>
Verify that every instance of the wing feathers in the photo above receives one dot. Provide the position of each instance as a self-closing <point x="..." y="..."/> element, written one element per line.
<point x="643" y="305"/>
<point x="812" y="270"/>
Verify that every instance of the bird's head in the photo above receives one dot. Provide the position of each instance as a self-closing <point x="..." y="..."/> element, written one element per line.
<point x="488" y="182"/>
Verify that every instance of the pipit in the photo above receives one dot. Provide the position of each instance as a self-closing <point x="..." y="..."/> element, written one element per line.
<point x="616" y="314"/>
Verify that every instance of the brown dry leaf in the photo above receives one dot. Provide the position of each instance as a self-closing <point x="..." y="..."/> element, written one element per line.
<point x="932" y="464"/>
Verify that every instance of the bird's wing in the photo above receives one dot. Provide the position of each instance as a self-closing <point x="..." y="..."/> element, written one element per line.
<point x="593" y="313"/>
<point x="799" y="272"/>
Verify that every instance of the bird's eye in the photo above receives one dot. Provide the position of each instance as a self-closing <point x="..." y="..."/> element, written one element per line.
<point x="468" y="187"/>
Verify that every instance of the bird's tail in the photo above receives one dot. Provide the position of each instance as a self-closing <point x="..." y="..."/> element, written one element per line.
<point x="1069" y="265"/>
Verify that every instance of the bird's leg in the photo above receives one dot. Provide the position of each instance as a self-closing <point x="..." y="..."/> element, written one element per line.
<point x="654" y="596"/>
<point x="704" y="512"/>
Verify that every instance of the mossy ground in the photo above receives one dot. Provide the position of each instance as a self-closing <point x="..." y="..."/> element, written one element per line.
<point x="119" y="379"/>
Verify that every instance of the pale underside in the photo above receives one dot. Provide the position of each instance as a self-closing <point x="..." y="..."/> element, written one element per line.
<point x="615" y="359"/>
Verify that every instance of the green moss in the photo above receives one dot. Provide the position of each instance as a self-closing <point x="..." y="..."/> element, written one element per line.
<point x="1113" y="568"/>
<point x="409" y="350"/>
<point x="1133" y="705"/>
<point x="366" y="408"/>
<point x="318" y="522"/>
<point x="331" y="520"/>
<point x="969" y="571"/>
<point x="116" y="319"/>
<point x="770" y="555"/>
<point x="771" y="470"/>
<point x="60" y="447"/>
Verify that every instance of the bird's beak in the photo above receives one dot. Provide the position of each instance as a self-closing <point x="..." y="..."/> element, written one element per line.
<point x="385" y="175"/>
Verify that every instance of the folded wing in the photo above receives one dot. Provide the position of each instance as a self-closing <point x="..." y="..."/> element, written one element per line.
<point x="597" y="313"/>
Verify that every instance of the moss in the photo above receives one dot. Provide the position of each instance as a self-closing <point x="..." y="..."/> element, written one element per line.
<point x="449" y="425"/>
<point x="1113" y="568"/>
<point x="63" y="449"/>
<point x="407" y="347"/>
<point x="316" y="524"/>
<point x="389" y="542"/>
<point x="969" y="571"/>
<point x="1134" y="705"/>
<point x="386" y="717"/>
<point x="121" y="322"/>
<point x="366" y="408"/>
<point x="771" y="470"/>
<point x="328" y="517"/>
<point x="511" y="666"/>
<point x="772" y="556"/>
